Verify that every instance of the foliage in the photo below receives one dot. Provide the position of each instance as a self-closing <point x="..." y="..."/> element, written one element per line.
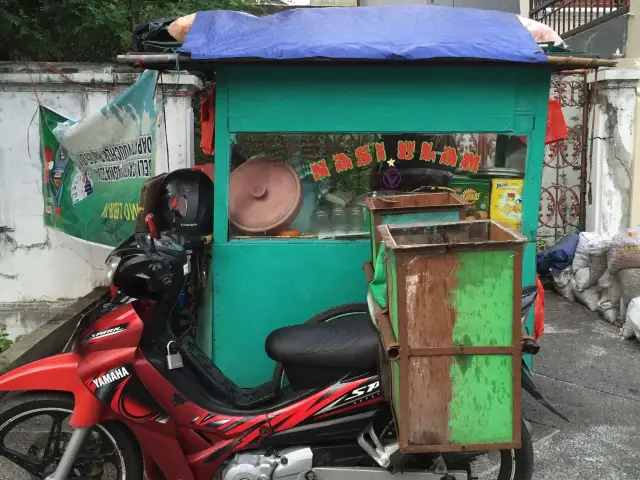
<point x="4" y="341"/>
<point x="88" y="30"/>
<point x="314" y="148"/>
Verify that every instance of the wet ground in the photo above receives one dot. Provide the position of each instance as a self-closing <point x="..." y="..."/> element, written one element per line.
<point x="593" y="376"/>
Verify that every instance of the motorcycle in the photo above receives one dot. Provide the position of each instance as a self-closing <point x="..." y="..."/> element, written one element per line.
<point x="133" y="398"/>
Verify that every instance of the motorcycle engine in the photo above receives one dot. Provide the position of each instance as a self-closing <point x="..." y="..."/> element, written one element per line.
<point x="290" y="464"/>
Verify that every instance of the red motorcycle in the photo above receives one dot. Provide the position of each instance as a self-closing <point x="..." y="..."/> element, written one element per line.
<point x="132" y="398"/>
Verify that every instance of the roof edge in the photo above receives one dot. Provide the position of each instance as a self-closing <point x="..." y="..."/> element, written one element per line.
<point x="171" y="60"/>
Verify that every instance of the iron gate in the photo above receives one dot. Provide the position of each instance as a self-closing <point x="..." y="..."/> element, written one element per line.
<point x="562" y="197"/>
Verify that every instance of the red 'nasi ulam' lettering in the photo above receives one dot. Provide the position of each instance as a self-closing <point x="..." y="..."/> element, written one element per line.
<point x="406" y="149"/>
<point x="449" y="157"/>
<point x="320" y="170"/>
<point x="426" y="152"/>
<point x="470" y="162"/>
<point x="381" y="154"/>
<point x="363" y="156"/>
<point x="343" y="163"/>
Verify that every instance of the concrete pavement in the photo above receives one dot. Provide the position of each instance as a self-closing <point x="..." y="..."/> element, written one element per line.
<point x="593" y="376"/>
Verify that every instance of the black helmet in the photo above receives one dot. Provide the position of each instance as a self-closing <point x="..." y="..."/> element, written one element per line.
<point x="186" y="202"/>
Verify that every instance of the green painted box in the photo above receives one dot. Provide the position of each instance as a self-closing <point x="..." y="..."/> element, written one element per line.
<point x="453" y="294"/>
<point x="407" y="208"/>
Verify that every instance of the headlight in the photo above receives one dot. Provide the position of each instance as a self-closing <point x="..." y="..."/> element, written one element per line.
<point x="112" y="266"/>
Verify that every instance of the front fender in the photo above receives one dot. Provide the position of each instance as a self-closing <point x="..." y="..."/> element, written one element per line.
<point x="57" y="373"/>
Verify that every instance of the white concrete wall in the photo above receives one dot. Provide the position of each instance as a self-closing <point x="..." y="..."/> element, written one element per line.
<point x="524" y="8"/>
<point x="38" y="263"/>
<point x="611" y="167"/>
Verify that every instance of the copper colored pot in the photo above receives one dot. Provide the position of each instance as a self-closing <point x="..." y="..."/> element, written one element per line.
<point x="265" y="196"/>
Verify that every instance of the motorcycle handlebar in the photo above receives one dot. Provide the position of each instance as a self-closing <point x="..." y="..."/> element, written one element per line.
<point x="196" y="242"/>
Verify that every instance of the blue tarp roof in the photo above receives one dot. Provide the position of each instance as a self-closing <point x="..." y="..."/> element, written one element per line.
<point x="408" y="32"/>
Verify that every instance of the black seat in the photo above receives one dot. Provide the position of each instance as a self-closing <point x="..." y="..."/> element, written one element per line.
<point x="349" y="344"/>
<point x="201" y="382"/>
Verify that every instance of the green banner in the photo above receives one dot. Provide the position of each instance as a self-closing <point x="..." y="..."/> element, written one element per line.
<point x="94" y="168"/>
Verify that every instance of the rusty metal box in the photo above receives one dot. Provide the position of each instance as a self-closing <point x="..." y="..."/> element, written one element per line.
<point x="414" y="207"/>
<point x="453" y="334"/>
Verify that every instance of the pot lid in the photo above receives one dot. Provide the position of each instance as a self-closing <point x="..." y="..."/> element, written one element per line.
<point x="265" y="195"/>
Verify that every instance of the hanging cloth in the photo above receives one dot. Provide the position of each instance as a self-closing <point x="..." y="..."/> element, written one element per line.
<point x="538" y="312"/>
<point x="207" y="121"/>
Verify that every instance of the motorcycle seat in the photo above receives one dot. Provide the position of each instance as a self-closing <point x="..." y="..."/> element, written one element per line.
<point x="349" y="343"/>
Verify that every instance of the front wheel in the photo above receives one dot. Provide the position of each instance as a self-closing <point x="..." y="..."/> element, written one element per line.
<point x="34" y="432"/>
<point x="497" y="465"/>
<point x="518" y="464"/>
<point x="502" y="465"/>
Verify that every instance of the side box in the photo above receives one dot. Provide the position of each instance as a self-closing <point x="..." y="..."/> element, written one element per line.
<point x="407" y="208"/>
<point x="453" y="293"/>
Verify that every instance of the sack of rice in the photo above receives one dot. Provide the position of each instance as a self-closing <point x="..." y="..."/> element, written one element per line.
<point x="591" y="254"/>
<point x="633" y="316"/>
<point x="625" y="250"/>
<point x="562" y="283"/>
<point x="610" y="294"/>
<point x="589" y="297"/>
<point x="629" y="283"/>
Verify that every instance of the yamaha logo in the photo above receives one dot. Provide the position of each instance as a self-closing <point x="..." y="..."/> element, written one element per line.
<point x="110" y="377"/>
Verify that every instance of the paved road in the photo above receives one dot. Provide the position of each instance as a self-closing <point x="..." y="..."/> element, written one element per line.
<point x="587" y="370"/>
<point x="593" y="375"/>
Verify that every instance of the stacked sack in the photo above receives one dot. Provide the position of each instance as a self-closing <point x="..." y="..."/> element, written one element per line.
<point x="589" y="265"/>
<point x="610" y="295"/>
<point x="624" y="265"/>
<point x="557" y="261"/>
<point x="604" y="275"/>
<point x="588" y="278"/>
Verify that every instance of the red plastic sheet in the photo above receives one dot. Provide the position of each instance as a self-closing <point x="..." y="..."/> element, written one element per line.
<point x="556" y="126"/>
<point x="538" y="312"/>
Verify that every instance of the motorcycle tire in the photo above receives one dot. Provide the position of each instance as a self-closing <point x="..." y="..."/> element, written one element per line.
<point x="31" y="405"/>
<point x="518" y="464"/>
<point x="514" y="465"/>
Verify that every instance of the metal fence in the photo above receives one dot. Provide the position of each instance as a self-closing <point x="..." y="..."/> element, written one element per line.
<point x="570" y="17"/>
<point x="564" y="175"/>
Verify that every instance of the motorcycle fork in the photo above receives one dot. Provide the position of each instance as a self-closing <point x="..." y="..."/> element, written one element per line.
<point x="70" y="454"/>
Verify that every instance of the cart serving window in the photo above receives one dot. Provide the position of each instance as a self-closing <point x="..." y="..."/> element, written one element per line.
<point x="285" y="186"/>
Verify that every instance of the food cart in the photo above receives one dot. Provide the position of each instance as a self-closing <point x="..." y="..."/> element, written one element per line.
<point x="316" y="109"/>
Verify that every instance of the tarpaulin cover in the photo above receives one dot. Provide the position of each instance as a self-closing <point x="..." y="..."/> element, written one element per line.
<point x="559" y="256"/>
<point x="407" y="32"/>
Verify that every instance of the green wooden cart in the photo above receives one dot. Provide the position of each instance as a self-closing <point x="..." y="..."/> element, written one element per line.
<point x="342" y="125"/>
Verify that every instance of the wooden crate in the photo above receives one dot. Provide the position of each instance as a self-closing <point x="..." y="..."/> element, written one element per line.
<point x="453" y="295"/>
<point x="408" y="208"/>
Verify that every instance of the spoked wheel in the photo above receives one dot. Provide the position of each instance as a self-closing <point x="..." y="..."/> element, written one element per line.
<point x="34" y="432"/>
<point x="498" y="465"/>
